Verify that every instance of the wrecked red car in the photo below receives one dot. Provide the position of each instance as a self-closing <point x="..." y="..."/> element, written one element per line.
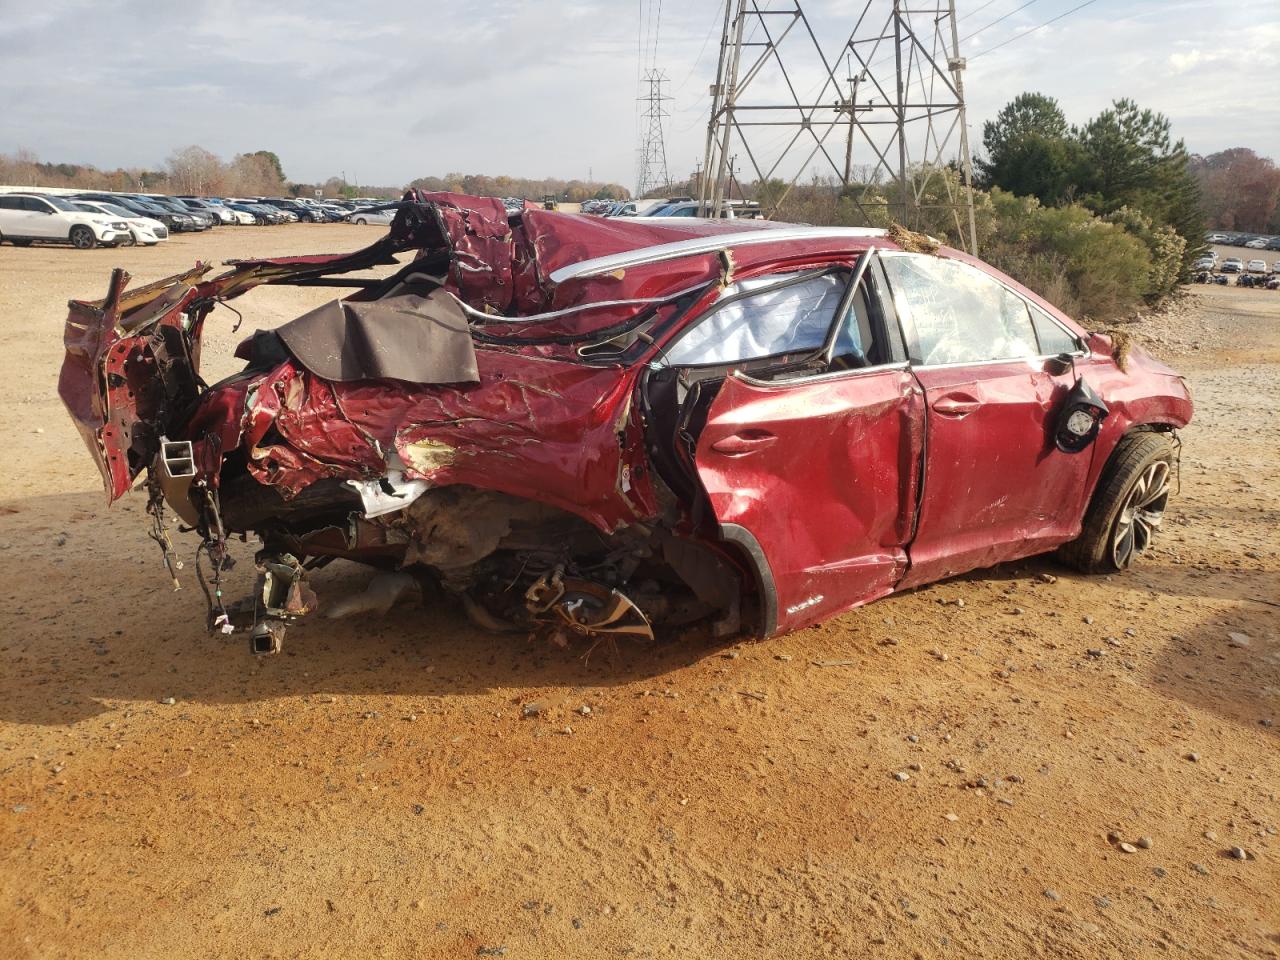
<point x="599" y="428"/>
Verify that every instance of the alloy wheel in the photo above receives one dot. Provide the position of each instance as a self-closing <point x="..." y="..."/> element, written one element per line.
<point x="1142" y="513"/>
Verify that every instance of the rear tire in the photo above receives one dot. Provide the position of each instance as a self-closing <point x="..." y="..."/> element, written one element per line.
<point x="362" y="222"/>
<point x="82" y="238"/>
<point x="1127" y="507"/>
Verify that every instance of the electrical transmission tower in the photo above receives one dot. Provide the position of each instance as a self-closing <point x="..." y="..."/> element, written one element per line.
<point x="892" y="96"/>
<point x="653" y="151"/>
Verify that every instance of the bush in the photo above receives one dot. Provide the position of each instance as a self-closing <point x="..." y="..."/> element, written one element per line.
<point x="1087" y="266"/>
<point x="1166" y="247"/>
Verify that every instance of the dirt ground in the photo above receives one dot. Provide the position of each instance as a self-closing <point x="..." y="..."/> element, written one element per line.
<point x="375" y="791"/>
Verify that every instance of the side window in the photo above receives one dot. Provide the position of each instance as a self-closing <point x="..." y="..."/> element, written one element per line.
<point x="960" y="314"/>
<point x="10" y="203"/>
<point x="857" y="342"/>
<point x="1053" y="338"/>
<point x="784" y="316"/>
<point x="36" y="205"/>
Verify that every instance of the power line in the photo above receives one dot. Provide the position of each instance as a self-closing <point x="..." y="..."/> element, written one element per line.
<point x="1019" y="36"/>
<point x="966" y="16"/>
<point x="885" y="60"/>
<point x="999" y="20"/>
<point x="705" y="40"/>
<point x="656" y="30"/>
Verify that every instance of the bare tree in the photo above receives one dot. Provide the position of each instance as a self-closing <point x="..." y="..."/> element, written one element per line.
<point x="254" y="175"/>
<point x="195" y="170"/>
<point x="1239" y="190"/>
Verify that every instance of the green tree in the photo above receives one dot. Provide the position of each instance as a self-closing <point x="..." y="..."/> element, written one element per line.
<point x="1029" y="150"/>
<point x="1129" y="159"/>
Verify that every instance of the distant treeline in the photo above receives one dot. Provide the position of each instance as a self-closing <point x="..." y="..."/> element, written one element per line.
<point x="190" y="170"/>
<point x="482" y="185"/>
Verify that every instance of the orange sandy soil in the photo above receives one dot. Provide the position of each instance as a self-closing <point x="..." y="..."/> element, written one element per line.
<point x="375" y="792"/>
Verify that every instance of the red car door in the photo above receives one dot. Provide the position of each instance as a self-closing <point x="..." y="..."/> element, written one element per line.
<point x="995" y="485"/>
<point x="822" y="476"/>
<point x="812" y="470"/>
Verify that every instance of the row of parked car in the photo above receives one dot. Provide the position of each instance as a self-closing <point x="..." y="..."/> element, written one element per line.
<point x="90" y="219"/>
<point x="1254" y="273"/>
<point x="1249" y="240"/>
<point x="1209" y="262"/>
<point x="671" y="207"/>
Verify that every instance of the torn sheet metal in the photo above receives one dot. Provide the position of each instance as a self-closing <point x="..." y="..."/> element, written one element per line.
<point x="387" y="494"/>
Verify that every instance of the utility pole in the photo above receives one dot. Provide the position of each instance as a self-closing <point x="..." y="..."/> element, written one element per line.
<point x="653" y="151"/>
<point x="853" y="111"/>
<point x="901" y="106"/>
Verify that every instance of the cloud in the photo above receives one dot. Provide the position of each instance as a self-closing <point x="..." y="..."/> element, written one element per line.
<point x="1182" y="62"/>
<point x="544" y="87"/>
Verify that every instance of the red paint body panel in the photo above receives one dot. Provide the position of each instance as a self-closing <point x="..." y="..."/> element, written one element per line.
<point x="1147" y="393"/>
<point x="823" y="475"/>
<point x="542" y="429"/>
<point x="996" y="487"/>
<point x="80" y="387"/>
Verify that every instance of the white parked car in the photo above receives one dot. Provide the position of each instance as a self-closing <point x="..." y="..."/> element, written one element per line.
<point x="1256" y="266"/>
<point x="27" y="218"/>
<point x="144" y="230"/>
<point x="365" y="215"/>
<point x="225" y="213"/>
<point x="1256" y="244"/>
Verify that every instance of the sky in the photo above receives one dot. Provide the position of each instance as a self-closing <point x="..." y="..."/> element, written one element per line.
<point x="390" y="90"/>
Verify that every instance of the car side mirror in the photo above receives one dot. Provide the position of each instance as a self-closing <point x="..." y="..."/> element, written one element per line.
<point x="1059" y="365"/>
<point x="1080" y="418"/>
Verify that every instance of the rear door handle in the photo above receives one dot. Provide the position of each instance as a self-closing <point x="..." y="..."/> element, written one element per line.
<point x="955" y="405"/>
<point x="737" y="444"/>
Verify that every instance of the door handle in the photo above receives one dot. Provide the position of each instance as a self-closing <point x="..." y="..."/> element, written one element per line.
<point x="955" y="405"/>
<point x="737" y="444"/>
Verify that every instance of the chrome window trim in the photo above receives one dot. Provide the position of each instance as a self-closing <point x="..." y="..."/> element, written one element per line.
<point x="694" y="246"/>
<point x="1036" y="361"/>
<point x="1083" y="353"/>
<point x="820" y="377"/>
